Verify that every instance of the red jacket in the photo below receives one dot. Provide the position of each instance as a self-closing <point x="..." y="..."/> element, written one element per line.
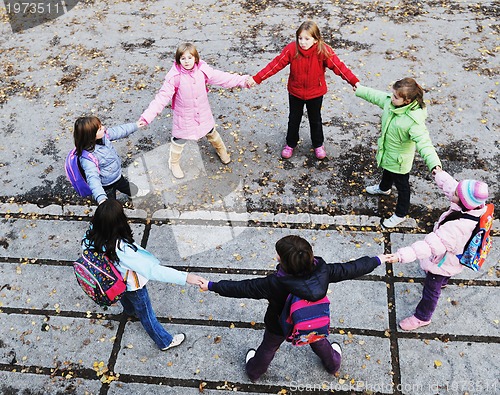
<point x="307" y="70"/>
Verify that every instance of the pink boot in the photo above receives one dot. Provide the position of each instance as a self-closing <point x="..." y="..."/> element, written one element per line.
<point x="411" y="323"/>
<point x="287" y="152"/>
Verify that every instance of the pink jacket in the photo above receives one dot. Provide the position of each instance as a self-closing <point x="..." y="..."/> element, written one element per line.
<point x="437" y="252"/>
<point x="193" y="117"/>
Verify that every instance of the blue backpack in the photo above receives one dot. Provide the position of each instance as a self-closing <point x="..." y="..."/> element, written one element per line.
<point x="75" y="173"/>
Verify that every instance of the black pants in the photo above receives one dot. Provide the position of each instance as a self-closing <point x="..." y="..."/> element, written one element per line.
<point x="313" y="107"/>
<point x="402" y="183"/>
<point x="122" y="185"/>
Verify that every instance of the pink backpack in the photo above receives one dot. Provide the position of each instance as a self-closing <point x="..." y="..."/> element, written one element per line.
<point x="305" y="322"/>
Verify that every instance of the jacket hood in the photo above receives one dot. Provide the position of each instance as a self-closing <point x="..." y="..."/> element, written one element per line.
<point x="311" y="287"/>
<point x="413" y="110"/>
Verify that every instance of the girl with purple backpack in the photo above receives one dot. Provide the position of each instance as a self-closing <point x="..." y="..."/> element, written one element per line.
<point x="110" y="233"/>
<point x="104" y="175"/>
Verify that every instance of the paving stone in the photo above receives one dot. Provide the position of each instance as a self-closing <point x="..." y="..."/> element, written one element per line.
<point x="153" y="389"/>
<point x="223" y="246"/>
<point x="46" y="239"/>
<point x="44" y="287"/>
<point x="29" y="383"/>
<point x="50" y="342"/>
<point x="452" y="367"/>
<point x="461" y="310"/>
<point x="217" y="354"/>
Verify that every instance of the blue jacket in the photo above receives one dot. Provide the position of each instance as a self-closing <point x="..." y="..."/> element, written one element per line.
<point x="110" y="164"/>
<point x="276" y="288"/>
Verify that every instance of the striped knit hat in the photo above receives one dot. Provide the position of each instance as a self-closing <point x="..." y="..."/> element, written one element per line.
<point x="472" y="193"/>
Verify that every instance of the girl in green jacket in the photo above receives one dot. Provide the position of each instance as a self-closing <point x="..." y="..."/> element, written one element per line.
<point x="403" y="131"/>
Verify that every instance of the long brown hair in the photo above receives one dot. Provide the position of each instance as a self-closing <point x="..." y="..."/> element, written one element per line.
<point x="84" y="133"/>
<point x="312" y="28"/>
<point x="409" y="90"/>
<point x="109" y="226"/>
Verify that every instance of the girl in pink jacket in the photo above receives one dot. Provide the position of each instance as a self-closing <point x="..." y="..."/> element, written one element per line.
<point x="438" y="251"/>
<point x="185" y="86"/>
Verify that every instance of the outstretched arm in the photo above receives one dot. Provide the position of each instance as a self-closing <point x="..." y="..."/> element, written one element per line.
<point x="161" y="100"/>
<point x="194" y="279"/>
<point x="352" y="269"/>
<point x="257" y="288"/>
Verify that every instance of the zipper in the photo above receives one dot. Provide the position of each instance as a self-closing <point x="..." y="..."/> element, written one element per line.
<point x="97" y="284"/>
<point x="88" y="273"/>
<point x="96" y="267"/>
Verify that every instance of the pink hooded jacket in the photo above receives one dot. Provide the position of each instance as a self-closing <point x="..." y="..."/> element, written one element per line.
<point x="437" y="252"/>
<point x="193" y="117"/>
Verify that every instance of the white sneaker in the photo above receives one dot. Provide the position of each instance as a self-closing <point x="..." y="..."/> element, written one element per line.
<point x="176" y="341"/>
<point x="250" y="355"/>
<point x="336" y="347"/>
<point x="141" y="193"/>
<point x="375" y="190"/>
<point x="393" y="221"/>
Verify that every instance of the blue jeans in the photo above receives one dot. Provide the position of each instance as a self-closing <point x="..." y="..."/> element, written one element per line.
<point x="137" y="303"/>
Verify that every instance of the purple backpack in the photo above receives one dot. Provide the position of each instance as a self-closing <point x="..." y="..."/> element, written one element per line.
<point x="75" y="173"/>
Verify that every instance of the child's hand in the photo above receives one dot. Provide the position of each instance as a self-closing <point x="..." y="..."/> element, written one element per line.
<point x="204" y="285"/>
<point x="194" y="279"/>
<point x="436" y="170"/>
<point x="250" y="82"/>
<point x="141" y="123"/>
<point x="388" y="258"/>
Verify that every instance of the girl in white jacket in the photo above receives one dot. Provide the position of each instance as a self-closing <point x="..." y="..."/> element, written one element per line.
<point x="438" y="251"/>
<point x="110" y="232"/>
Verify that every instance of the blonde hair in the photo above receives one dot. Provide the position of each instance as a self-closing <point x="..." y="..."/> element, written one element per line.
<point x="313" y="30"/>
<point x="186" y="47"/>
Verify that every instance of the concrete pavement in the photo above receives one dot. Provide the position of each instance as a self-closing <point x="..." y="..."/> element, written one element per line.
<point x="109" y="59"/>
<point x="55" y="340"/>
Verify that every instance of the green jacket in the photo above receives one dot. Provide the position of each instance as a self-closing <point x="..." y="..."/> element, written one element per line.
<point x="403" y="131"/>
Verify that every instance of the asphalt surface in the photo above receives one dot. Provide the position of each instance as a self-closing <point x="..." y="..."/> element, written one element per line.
<point x="109" y="59"/>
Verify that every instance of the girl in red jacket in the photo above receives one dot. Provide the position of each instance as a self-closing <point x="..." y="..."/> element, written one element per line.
<point x="308" y="57"/>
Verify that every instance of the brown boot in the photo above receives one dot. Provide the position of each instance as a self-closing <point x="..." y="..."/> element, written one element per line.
<point x="216" y="141"/>
<point x="174" y="159"/>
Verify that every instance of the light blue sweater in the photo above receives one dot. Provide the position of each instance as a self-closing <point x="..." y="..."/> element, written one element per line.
<point x="144" y="264"/>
